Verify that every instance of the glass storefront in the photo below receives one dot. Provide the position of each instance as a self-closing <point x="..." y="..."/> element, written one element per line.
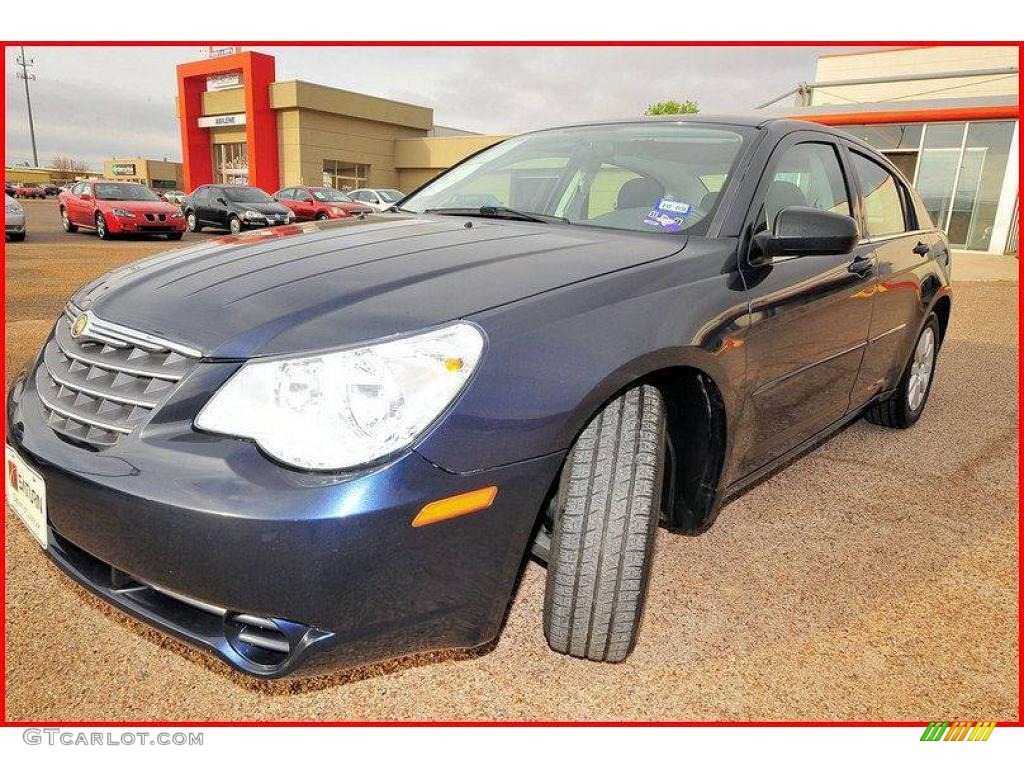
<point x="957" y="168"/>
<point x="345" y="176"/>
<point x="231" y="163"/>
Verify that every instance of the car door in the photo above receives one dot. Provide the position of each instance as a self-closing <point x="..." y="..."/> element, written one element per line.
<point x="305" y="206"/>
<point x="85" y="204"/>
<point x="809" y="315"/>
<point x="217" y="208"/>
<point x="904" y="251"/>
<point x="198" y="202"/>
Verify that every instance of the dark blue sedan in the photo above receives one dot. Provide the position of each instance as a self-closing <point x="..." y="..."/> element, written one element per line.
<point x="327" y="444"/>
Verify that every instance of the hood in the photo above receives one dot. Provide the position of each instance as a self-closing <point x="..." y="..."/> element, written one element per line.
<point x="308" y="287"/>
<point x="275" y="208"/>
<point x="139" y="206"/>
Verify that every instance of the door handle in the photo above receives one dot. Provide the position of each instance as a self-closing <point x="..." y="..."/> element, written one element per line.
<point x="861" y="266"/>
<point x="921" y="249"/>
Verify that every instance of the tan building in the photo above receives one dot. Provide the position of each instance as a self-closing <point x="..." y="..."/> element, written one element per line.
<point x="158" y="174"/>
<point x="23" y="174"/>
<point x="240" y="125"/>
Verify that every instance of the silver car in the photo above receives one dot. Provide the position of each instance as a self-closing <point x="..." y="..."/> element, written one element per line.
<point x="14" y="219"/>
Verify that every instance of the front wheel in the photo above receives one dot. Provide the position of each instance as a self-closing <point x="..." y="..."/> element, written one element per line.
<point x="322" y="217"/>
<point x="16" y="237"/>
<point x="904" y="407"/>
<point x="193" y="222"/>
<point x="65" y="221"/>
<point x="235" y="225"/>
<point x="101" y="227"/>
<point x="605" y="520"/>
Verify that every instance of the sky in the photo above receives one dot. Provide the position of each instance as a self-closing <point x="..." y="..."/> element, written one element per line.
<point x="97" y="103"/>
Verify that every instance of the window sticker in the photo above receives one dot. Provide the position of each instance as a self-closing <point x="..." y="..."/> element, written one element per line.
<point x="668" y="215"/>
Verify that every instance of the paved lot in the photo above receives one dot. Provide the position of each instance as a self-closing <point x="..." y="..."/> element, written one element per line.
<point x="875" y="578"/>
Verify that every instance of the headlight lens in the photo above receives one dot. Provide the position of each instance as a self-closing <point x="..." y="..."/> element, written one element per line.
<point x="251" y="215"/>
<point x="342" y="409"/>
<point x="121" y="213"/>
<point x="178" y="214"/>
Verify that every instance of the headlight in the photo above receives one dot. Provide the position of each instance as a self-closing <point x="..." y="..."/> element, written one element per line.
<point x="250" y="215"/>
<point x="121" y="213"/>
<point x="178" y="214"/>
<point x="342" y="409"/>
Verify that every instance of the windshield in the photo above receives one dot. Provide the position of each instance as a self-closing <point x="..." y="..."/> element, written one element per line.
<point x="644" y="177"/>
<point x="121" y="191"/>
<point x="327" y="195"/>
<point x="247" y="195"/>
<point x="390" y="195"/>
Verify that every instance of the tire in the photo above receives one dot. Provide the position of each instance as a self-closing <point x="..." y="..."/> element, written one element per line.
<point x="65" y="221"/>
<point x="16" y="237"/>
<point x="101" y="227"/>
<point x="904" y="407"/>
<point x="175" y="235"/>
<point x="193" y="222"/>
<point x="235" y="225"/>
<point x="322" y="217"/>
<point x="606" y="516"/>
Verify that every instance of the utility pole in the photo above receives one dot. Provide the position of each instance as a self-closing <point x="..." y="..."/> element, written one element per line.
<point x="24" y="75"/>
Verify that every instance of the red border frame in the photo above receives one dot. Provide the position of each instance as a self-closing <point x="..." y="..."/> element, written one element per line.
<point x="4" y="722"/>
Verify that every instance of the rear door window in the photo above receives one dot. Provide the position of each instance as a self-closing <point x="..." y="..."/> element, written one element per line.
<point x="884" y="213"/>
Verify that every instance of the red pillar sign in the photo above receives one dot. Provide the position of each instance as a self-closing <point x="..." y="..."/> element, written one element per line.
<point x="257" y="72"/>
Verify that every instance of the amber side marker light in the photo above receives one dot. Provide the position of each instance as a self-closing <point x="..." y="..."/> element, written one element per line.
<point x="454" y="506"/>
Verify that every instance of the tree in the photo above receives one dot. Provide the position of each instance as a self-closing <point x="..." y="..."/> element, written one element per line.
<point x="68" y="164"/>
<point x="673" y="107"/>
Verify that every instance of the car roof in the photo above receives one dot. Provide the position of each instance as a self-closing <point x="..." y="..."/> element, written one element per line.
<point x="741" y="119"/>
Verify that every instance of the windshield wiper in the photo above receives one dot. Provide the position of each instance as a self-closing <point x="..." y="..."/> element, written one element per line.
<point x="499" y="212"/>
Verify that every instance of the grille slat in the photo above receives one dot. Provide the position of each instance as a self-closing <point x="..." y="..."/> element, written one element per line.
<point x="107" y="382"/>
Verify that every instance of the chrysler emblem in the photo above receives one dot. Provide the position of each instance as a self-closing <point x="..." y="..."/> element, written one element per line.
<point x="79" y="326"/>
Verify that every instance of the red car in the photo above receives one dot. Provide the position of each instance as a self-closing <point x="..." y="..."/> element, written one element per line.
<point x="319" y="203"/>
<point x="119" y="207"/>
<point x="29" y="190"/>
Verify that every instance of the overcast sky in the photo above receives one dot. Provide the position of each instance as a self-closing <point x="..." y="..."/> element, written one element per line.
<point x="95" y="103"/>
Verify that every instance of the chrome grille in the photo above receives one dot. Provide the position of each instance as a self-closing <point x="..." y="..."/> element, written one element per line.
<point x="107" y="381"/>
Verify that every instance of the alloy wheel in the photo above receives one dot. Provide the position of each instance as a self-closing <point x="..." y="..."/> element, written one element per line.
<point x="921" y="368"/>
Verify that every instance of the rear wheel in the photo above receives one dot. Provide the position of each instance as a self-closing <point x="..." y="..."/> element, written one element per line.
<point x="606" y="516"/>
<point x="16" y="237"/>
<point x="904" y="407"/>
<point x="65" y="221"/>
<point x="101" y="227"/>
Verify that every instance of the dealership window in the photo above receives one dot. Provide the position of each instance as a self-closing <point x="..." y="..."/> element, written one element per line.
<point x="231" y="163"/>
<point x="957" y="168"/>
<point x="345" y="176"/>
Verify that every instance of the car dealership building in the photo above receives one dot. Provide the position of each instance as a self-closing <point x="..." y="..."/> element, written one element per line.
<point x="239" y="125"/>
<point x="946" y="116"/>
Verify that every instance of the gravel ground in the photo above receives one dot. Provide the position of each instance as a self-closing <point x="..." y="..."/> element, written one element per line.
<point x="874" y="579"/>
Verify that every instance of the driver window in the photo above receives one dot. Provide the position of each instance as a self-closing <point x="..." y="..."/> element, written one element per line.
<point x="807" y="175"/>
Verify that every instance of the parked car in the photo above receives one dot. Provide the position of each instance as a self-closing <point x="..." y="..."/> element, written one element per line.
<point x="51" y="190"/>
<point x="378" y="199"/>
<point x="113" y="208"/>
<point x="25" y="190"/>
<point x="335" y="446"/>
<point x="233" y="208"/>
<point x="8" y="188"/>
<point x="319" y="203"/>
<point x="173" y="196"/>
<point x="14" y="219"/>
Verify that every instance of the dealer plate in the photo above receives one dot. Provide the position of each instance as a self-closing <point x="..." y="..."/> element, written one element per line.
<point x="26" y="494"/>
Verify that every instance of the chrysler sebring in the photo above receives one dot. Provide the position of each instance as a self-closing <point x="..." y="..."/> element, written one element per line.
<point x="321" y="445"/>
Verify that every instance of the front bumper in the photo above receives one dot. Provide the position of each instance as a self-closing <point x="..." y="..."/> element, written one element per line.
<point x="122" y="225"/>
<point x="332" y="560"/>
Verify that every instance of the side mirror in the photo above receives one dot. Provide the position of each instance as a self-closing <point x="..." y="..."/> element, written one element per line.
<point x="85" y="196"/>
<point x="804" y="231"/>
<point x="222" y="201"/>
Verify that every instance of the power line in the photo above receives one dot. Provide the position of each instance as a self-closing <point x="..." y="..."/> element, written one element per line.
<point x="24" y="63"/>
